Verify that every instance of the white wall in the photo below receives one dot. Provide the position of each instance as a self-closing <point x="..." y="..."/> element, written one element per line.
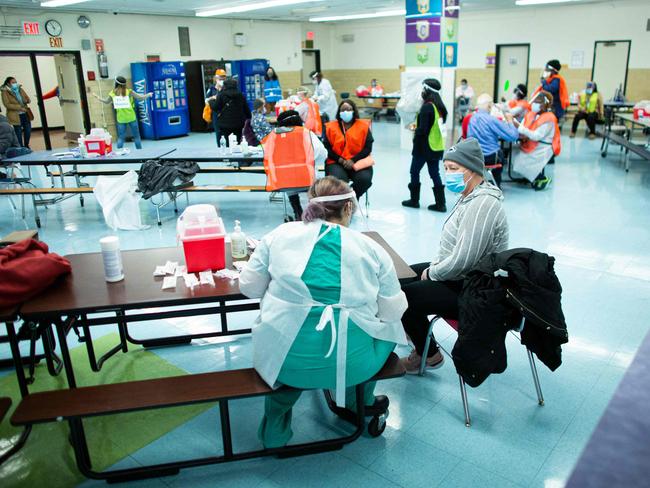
<point x="552" y="31"/>
<point x="129" y="38"/>
<point x="20" y="68"/>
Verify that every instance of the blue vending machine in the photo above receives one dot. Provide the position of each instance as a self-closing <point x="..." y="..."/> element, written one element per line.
<point x="166" y="114"/>
<point x="250" y="73"/>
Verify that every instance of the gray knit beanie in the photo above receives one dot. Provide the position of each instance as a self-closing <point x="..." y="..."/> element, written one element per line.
<point x="468" y="154"/>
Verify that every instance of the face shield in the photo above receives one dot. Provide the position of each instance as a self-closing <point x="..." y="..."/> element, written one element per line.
<point x="357" y="218"/>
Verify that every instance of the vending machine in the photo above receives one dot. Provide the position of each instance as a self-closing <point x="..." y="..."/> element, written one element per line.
<point x="250" y="74"/>
<point x="165" y="114"/>
<point x="199" y="77"/>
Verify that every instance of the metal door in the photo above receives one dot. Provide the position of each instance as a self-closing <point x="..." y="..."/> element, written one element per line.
<point x="310" y="63"/>
<point x="610" y="66"/>
<point x="511" y="69"/>
<point x="69" y="95"/>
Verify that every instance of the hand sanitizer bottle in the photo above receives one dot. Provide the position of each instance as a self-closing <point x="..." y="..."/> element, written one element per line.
<point x="238" y="242"/>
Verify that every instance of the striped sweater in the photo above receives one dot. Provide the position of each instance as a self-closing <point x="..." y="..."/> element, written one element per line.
<point x="476" y="227"/>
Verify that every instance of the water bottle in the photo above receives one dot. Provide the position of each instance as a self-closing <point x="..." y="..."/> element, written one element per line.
<point x="112" y="257"/>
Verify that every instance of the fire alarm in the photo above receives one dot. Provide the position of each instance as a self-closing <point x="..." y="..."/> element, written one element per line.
<point x="240" y="39"/>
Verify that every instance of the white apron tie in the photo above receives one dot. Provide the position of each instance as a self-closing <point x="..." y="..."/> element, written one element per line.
<point x="327" y="317"/>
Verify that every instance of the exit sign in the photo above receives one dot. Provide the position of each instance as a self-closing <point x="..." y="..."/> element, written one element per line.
<point x="31" y="28"/>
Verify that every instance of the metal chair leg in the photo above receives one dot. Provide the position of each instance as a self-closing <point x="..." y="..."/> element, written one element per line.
<point x="427" y="343"/>
<point x="463" y="394"/>
<point x="533" y="369"/>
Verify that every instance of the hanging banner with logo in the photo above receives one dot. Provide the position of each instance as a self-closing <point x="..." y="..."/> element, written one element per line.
<point x="432" y="33"/>
<point x="423" y="29"/>
<point x="423" y="8"/>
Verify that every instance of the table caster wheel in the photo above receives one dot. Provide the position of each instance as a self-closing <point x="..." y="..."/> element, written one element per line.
<point x="377" y="425"/>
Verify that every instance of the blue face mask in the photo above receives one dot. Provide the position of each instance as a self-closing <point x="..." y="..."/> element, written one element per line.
<point x="589" y="91"/>
<point x="455" y="182"/>
<point x="14" y="86"/>
<point x="347" y="116"/>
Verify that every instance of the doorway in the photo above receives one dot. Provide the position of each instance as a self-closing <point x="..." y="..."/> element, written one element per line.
<point x="310" y="63"/>
<point x="511" y="69"/>
<point x="611" y="59"/>
<point x="54" y="82"/>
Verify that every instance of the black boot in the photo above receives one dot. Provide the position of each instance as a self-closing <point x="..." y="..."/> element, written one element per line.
<point x="294" y="200"/>
<point x="414" y="201"/>
<point x="439" y="197"/>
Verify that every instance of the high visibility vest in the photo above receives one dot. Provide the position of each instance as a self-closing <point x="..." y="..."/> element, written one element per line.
<point x="436" y="142"/>
<point x="519" y="103"/>
<point x="590" y="106"/>
<point x="313" y="122"/>
<point x="288" y="159"/>
<point x="564" y="91"/>
<point x="349" y="143"/>
<point x="124" y="115"/>
<point x="532" y="123"/>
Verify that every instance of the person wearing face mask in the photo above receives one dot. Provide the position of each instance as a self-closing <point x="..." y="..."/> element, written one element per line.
<point x="518" y="105"/>
<point x="490" y="131"/>
<point x="16" y="101"/>
<point x="554" y="83"/>
<point x="476" y="227"/>
<point x="330" y="309"/>
<point x="291" y="153"/>
<point x="272" y="88"/>
<point x="464" y="96"/>
<point x="590" y="109"/>
<point x="348" y="141"/>
<point x="259" y="124"/>
<point x="324" y="95"/>
<point x="211" y="95"/>
<point x="428" y="147"/>
<point x="540" y="141"/>
<point x="376" y="90"/>
<point x="309" y="111"/>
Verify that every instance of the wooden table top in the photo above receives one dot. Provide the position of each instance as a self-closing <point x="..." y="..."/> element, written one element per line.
<point x="85" y="290"/>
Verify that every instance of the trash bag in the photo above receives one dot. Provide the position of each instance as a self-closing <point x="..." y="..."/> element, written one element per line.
<point x="411" y="100"/>
<point x="119" y="201"/>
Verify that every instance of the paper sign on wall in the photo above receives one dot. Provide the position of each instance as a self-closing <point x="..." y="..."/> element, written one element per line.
<point x="423" y="29"/>
<point x="577" y="59"/>
<point x="56" y="42"/>
<point x="490" y="60"/>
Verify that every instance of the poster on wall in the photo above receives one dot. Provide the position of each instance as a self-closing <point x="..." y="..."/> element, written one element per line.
<point x="490" y="60"/>
<point x="450" y="55"/>
<point x="424" y="8"/>
<point x="452" y="8"/>
<point x="424" y="54"/>
<point x="449" y="30"/>
<point x="423" y="29"/>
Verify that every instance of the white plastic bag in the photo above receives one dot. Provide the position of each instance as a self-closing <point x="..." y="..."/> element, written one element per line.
<point x="119" y="201"/>
<point x="411" y="100"/>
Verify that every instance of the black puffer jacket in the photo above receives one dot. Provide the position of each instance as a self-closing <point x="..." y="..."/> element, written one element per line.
<point x="231" y="109"/>
<point x="503" y="287"/>
<point x="156" y="176"/>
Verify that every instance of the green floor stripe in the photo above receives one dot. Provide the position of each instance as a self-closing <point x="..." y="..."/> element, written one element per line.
<point x="47" y="460"/>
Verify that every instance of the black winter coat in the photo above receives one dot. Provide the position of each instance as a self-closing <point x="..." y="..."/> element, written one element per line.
<point x="231" y="109"/>
<point x="496" y="294"/>
<point x="159" y="176"/>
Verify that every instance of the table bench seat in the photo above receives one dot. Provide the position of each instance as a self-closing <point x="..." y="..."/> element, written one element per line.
<point x="114" y="398"/>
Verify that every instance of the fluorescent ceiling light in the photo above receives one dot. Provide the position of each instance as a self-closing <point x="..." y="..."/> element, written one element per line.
<point x="541" y="2"/>
<point x="247" y="7"/>
<point x="385" y="13"/>
<point x="61" y="3"/>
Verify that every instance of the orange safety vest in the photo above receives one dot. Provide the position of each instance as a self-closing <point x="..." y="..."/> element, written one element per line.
<point x="532" y="123"/>
<point x="564" y="92"/>
<point x="519" y="103"/>
<point x="349" y="143"/>
<point x="288" y="159"/>
<point x="313" y="122"/>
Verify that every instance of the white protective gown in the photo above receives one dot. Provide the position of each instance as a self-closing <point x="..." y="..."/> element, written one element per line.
<point x="325" y="96"/>
<point x="530" y="165"/>
<point x="370" y="293"/>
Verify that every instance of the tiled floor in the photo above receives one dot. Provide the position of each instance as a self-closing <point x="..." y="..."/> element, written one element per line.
<point x="594" y="219"/>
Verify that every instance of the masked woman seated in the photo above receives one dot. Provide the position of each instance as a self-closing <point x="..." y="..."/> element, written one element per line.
<point x="319" y="282"/>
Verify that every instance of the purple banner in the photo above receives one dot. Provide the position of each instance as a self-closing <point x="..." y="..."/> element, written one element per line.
<point x="425" y="29"/>
<point x="452" y="8"/>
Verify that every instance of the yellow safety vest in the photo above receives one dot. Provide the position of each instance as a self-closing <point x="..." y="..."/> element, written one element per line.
<point x="592" y="106"/>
